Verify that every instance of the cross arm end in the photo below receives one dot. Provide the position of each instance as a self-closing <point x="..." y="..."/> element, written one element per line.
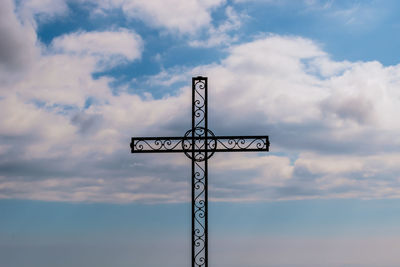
<point x="156" y="144"/>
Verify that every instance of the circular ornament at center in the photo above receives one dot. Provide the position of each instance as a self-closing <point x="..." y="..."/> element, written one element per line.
<point x="205" y="144"/>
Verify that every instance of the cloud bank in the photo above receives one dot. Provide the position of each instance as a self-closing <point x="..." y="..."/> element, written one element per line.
<point x="65" y="134"/>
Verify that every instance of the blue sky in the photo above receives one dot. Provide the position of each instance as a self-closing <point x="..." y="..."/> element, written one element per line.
<point x="78" y="78"/>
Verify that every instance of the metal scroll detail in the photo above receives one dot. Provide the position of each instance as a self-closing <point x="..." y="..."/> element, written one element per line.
<point x="214" y="144"/>
<point x="200" y="137"/>
<point x="242" y="143"/>
<point x="199" y="219"/>
<point x="199" y="103"/>
<point x="156" y="144"/>
<point x="201" y="147"/>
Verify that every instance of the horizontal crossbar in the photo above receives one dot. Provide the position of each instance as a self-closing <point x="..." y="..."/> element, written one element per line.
<point x="214" y="144"/>
<point x="202" y="137"/>
<point x="199" y="150"/>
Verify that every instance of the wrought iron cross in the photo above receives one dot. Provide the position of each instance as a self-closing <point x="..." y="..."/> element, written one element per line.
<point x="199" y="144"/>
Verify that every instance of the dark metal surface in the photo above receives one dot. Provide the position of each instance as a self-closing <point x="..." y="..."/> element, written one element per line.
<point x="214" y="144"/>
<point x="200" y="134"/>
<point x="199" y="144"/>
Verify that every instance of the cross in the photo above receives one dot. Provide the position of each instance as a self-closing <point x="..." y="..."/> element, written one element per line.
<point x="199" y="144"/>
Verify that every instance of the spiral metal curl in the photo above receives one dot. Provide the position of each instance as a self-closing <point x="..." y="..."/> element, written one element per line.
<point x="195" y="139"/>
<point x="199" y="214"/>
<point x="156" y="144"/>
<point x="200" y="103"/>
<point x="243" y="143"/>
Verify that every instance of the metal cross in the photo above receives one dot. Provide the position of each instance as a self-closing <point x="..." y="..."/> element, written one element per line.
<point x="199" y="144"/>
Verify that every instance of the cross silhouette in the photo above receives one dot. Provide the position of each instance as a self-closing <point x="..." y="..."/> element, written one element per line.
<point x="199" y="144"/>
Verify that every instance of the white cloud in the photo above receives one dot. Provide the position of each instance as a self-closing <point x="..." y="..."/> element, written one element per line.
<point x="181" y="16"/>
<point x="41" y="9"/>
<point x="178" y="16"/>
<point x="17" y="43"/>
<point x="342" y="112"/>
<point x="273" y="170"/>
<point x="108" y="47"/>
<point x="316" y="111"/>
<point x="90" y="190"/>
<point x="221" y="35"/>
<point x="45" y="122"/>
<point x="63" y="75"/>
<point x="63" y="81"/>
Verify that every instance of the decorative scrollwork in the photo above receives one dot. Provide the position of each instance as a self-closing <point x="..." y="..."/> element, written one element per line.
<point x="204" y="144"/>
<point x="156" y="144"/>
<point x="199" y="103"/>
<point x="199" y="214"/>
<point x="242" y="143"/>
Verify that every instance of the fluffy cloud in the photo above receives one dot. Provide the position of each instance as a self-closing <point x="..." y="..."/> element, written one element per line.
<point x="109" y="47"/>
<point x="179" y="16"/>
<point x="17" y="42"/>
<point x="64" y="135"/>
<point x="217" y="36"/>
<point x="182" y="16"/>
<point x="62" y="77"/>
<point x="336" y="121"/>
<point x="42" y="9"/>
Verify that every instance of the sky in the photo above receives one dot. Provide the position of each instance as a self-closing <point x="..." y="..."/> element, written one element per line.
<point x="79" y="78"/>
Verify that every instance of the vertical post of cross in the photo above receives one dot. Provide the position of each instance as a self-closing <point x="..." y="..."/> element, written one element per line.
<point x="199" y="172"/>
<point x="206" y="171"/>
